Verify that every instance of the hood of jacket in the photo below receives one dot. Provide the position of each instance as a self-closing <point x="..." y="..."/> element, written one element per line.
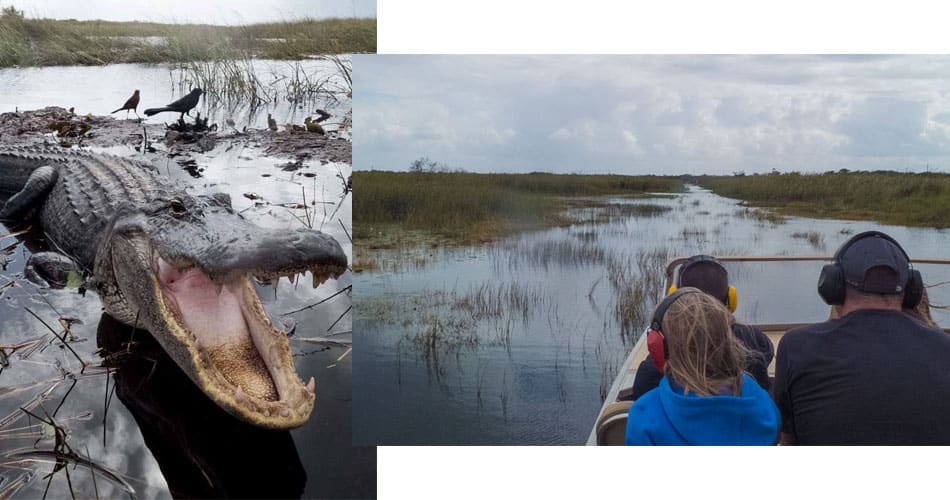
<point x="748" y="418"/>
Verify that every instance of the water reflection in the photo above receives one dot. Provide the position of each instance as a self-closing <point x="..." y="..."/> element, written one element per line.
<point x="101" y="89"/>
<point x="516" y="342"/>
<point x="203" y="451"/>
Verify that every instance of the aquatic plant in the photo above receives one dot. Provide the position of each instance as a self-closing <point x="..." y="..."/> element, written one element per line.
<point x="546" y="253"/>
<point x="912" y="199"/>
<point x="46" y="42"/>
<point x="760" y="215"/>
<point x="471" y="208"/>
<point x="814" y="238"/>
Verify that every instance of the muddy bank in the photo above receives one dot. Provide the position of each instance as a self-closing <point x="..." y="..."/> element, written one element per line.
<point x="59" y="126"/>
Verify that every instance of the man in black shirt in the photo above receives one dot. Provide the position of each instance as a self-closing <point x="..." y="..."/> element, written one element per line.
<point x="874" y="376"/>
<point x="707" y="274"/>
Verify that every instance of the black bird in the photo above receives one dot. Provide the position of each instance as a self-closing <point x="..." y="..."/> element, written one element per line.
<point x="183" y="105"/>
<point x="132" y="103"/>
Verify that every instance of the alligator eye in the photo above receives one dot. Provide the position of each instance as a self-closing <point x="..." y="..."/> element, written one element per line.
<point x="177" y="207"/>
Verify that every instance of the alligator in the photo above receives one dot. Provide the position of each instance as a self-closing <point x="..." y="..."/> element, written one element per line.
<point x="178" y="265"/>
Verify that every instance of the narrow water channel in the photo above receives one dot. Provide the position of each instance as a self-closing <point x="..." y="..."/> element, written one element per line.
<point x="517" y="342"/>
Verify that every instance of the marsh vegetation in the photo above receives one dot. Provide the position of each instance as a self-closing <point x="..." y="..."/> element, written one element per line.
<point x="471" y="208"/>
<point x="47" y="42"/>
<point x="908" y="199"/>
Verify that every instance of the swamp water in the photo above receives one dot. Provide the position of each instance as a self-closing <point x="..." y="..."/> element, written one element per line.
<point x="296" y="89"/>
<point x="518" y="342"/>
<point x="141" y="418"/>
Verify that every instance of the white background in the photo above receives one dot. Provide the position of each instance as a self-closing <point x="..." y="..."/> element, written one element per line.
<point x="603" y="27"/>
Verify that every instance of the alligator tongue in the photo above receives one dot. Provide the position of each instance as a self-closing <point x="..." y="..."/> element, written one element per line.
<point x="213" y="313"/>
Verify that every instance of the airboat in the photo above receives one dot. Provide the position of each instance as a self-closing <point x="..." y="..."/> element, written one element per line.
<point x="785" y="300"/>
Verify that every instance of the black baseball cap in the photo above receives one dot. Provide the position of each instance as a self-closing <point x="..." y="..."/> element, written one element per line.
<point x="875" y="250"/>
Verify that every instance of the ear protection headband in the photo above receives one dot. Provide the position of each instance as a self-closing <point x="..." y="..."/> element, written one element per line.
<point x="656" y="341"/>
<point x="732" y="298"/>
<point x="831" y="281"/>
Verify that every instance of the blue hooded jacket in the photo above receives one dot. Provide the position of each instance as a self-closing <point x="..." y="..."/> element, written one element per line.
<point x="667" y="416"/>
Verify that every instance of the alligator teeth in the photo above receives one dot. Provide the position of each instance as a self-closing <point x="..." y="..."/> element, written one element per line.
<point x="285" y="412"/>
<point x="311" y="385"/>
<point x="239" y="395"/>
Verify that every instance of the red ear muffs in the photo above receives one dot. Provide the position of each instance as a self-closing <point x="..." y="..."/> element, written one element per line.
<point x="656" y="344"/>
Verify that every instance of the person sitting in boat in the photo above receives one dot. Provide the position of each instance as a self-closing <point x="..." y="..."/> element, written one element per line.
<point x="875" y="375"/>
<point x="705" y="397"/>
<point x="708" y="274"/>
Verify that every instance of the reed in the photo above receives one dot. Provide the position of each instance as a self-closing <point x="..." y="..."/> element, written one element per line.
<point x="47" y="42"/>
<point x="471" y="208"/>
<point x="236" y="81"/>
<point x="908" y="199"/>
<point x="814" y="238"/>
<point x="493" y="300"/>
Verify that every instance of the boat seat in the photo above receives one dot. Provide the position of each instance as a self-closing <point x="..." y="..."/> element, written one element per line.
<point x="612" y="424"/>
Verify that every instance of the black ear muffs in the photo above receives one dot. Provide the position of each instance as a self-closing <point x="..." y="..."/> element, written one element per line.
<point x="914" y="290"/>
<point x="656" y="341"/>
<point x="831" y="281"/>
<point x="831" y="284"/>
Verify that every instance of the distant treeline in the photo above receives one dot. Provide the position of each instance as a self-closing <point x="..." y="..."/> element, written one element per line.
<point x="887" y="197"/>
<point x="475" y="207"/>
<point x="46" y="42"/>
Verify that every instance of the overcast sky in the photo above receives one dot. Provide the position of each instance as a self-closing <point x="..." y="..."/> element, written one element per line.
<point x="653" y="114"/>
<point x="194" y="11"/>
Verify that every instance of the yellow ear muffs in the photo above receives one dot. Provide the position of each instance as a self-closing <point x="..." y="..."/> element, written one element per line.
<point x="732" y="300"/>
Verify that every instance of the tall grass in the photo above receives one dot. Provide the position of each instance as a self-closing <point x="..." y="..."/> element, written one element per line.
<point x="480" y="207"/>
<point x="46" y="42"/>
<point x="887" y="197"/>
<point x="232" y="82"/>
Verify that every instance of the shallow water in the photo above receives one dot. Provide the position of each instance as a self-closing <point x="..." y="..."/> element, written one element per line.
<point x="515" y="343"/>
<point x="314" y="460"/>
<point x="101" y="89"/>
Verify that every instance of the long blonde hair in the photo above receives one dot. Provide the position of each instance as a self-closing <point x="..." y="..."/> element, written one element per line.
<point x="704" y="355"/>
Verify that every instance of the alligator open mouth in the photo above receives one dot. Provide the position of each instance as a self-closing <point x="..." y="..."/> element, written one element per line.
<point x="238" y="357"/>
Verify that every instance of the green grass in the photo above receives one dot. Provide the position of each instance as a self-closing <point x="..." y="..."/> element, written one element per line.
<point x="467" y="208"/>
<point x="47" y="42"/>
<point x="886" y="197"/>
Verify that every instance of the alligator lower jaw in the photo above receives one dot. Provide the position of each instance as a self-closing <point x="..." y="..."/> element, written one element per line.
<point x="226" y="343"/>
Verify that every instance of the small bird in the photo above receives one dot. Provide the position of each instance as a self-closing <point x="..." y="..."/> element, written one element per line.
<point x="313" y="126"/>
<point x="183" y="105"/>
<point x="271" y="122"/>
<point x="132" y="103"/>
<point x="323" y="116"/>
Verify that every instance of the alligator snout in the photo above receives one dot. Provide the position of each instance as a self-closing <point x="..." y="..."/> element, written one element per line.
<point x="273" y="253"/>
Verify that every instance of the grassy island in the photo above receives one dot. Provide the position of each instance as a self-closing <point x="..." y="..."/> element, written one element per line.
<point x="50" y="42"/>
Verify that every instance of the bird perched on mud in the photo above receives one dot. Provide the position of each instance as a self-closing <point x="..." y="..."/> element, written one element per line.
<point x="132" y="103"/>
<point x="271" y="123"/>
<point x="323" y="116"/>
<point x="183" y="105"/>
<point x="313" y="126"/>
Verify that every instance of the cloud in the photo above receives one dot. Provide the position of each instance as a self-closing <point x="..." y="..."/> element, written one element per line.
<point x="644" y="114"/>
